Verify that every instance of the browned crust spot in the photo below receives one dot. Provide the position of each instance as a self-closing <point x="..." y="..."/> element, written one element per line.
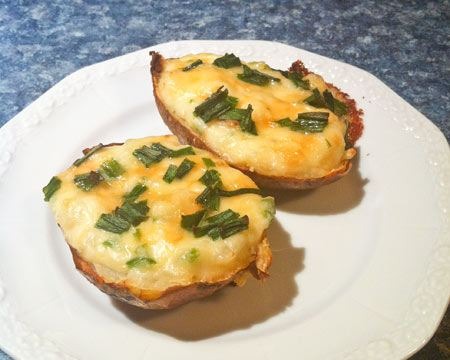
<point x="354" y="115"/>
<point x="186" y="136"/>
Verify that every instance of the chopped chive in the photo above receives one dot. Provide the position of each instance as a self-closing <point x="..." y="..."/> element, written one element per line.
<point x="286" y="122"/>
<point x="111" y="169"/>
<point x="192" y="255"/>
<point x="229" y="193"/>
<point x="214" y="233"/>
<point x="133" y="213"/>
<point x="140" y="261"/>
<point x="208" y="162"/>
<point x="227" y="61"/>
<point x="329" y="99"/>
<point x="203" y="230"/>
<point x="165" y="151"/>
<point x="296" y="79"/>
<point x="182" y="152"/>
<point x="211" y="177"/>
<point x="269" y="208"/>
<point x="315" y="115"/>
<point x="246" y="123"/>
<point x="233" y="114"/>
<point x="340" y="108"/>
<point x="316" y="99"/>
<point x="185" y="166"/>
<point x="137" y="190"/>
<point x="244" y="116"/>
<point x="88" y="180"/>
<point x="211" y="223"/>
<point x="222" y="225"/>
<point x="188" y="222"/>
<point x="307" y="122"/>
<point x="214" y="106"/>
<point x="234" y="226"/>
<point x="156" y="152"/>
<point x="336" y="106"/>
<point x="108" y="243"/>
<point x="112" y="223"/>
<point x="81" y="160"/>
<point x="209" y="198"/>
<point x="53" y="185"/>
<point x="170" y="174"/>
<point x="328" y="143"/>
<point x="148" y="155"/>
<point x="311" y="122"/>
<point x="256" y="77"/>
<point x="193" y="65"/>
<point x="222" y="217"/>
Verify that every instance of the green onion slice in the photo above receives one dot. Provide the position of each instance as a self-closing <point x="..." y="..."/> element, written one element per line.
<point x="111" y="169"/>
<point x="49" y="189"/>
<point x="296" y="79"/>
<point x="256" y="77"/>
<point x="211" y="177"/>
<point x="81" y="160"/>
<point x="336" y="106"/>
<point x="227" y="61"/>
<point x="156" y="152"/>
<point x="192" y="255"/>
<point x="170" y="174"/>
<point x="193" y="65"/>
<point x="307" y="122"/>
<point x="148" y="155"/>
<point x="244" y="116"/>
<point x="222" y="217"/>
<point x="208" y="162"/>
<point x="185" y="166"/>
<point x="133" y="213"/>
<point x="229" y="193"/>
<point x="316" y="99"/>
<point x="188" y="222"/>
<point x="216" y="105"/>
<point x="234" y="226"/>
<point x="88" y="181"/>
<point x="112" y="223"/>
<point x="209" y="198"/>
<point x="137" y="190"/>
<point x="140" y="262"/>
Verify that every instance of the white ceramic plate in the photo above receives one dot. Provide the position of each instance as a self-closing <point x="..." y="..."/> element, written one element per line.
<point x="360" y="268"/>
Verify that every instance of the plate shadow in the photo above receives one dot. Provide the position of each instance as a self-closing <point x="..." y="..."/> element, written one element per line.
<point x="232" y="308"/>
<point x="335" y="198"/>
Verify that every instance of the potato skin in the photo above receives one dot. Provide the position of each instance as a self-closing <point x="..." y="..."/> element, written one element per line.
<point x="171" y="297"/>
<point x="174" y="296"/>
<point x="186" y="136"/>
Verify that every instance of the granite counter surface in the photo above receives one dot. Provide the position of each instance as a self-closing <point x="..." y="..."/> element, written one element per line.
<point x="404" y="43"/>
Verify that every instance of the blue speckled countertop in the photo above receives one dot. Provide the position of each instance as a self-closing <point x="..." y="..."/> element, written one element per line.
<point x="405" y="44"/>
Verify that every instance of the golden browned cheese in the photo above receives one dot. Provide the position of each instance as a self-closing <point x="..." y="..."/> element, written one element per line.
<point x="276" y="151"/>
<point x="161" y="236"/>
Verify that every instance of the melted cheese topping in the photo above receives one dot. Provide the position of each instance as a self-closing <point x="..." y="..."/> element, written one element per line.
<point x="161" y="236"/>
<point x="275" y="151"/>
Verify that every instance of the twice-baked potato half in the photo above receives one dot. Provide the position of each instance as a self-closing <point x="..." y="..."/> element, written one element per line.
<point x="284" y="129"/>
<point x="157" y="224"/>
